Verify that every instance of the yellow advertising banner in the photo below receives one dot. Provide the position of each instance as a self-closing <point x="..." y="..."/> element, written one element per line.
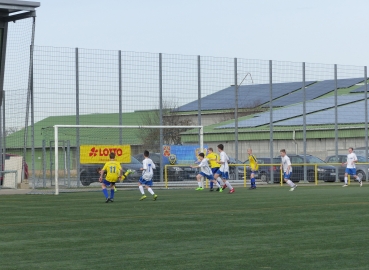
<point x="91" y="154"/>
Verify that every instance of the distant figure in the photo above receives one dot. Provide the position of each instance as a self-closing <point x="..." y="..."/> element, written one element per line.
<point x="351" y="167"/>
<point x="287" y="169"/>
<point x="223" y="172"/>
<point x="214" y="165"/>
<point x="147" y="175"/>
<point x="254" y="168"/>
<point x="113" y="172"/>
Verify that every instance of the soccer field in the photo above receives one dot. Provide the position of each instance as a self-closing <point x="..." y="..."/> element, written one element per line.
<point x="324" y="227"/>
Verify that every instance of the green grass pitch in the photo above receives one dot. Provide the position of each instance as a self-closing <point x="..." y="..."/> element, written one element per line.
<point x="324" y="227"/>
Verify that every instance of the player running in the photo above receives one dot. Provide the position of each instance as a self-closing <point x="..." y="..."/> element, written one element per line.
<point x="205" y="171"/>
<point x="147" y="175"/>
<point x="214" y="165"/>
<point x="223" y="173"/>
<point x="254" y="167"/>
<point x="287" y="169"/>
<point x="113" y="172"/>
<point x="351" y="167"/>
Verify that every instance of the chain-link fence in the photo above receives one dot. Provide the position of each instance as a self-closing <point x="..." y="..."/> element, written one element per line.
<point x="308" y="109"/>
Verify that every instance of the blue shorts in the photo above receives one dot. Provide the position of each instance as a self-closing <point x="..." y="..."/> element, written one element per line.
<point x="210" y="177"/>
<point x="253" y="171"/>
<point x="107" y="183"/>
<point x="145" y="182"/>
<point x="350" y="171"/>
<point x="223" y="175"/>
<point x="287" y="176"/>
<point x="214" y="170"/>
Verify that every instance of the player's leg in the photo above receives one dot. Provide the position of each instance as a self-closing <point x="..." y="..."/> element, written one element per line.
<point x="252" y="180"/>
<point x="148" y="186"/>
<point x="104" y="184"/>
<point x="112" y="190"/>
<point x="225" y="177"/>
<point x="199" y="181"/>
<point x="141" y="188"/>
<point x="357" y="178"/>
<point x="346" y="174"/>
<point x="218" y="179"/>
<point x="287" y="179"/>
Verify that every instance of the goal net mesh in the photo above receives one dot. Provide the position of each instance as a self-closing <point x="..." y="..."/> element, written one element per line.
<point x="82" y="150"/>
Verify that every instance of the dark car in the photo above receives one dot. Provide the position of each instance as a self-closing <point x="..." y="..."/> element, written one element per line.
<point x="89" y="172"/>
<point x="240" y="170"/>
<point x="175" y="173"/>
<point x="362" y="170"/>
<point x="264" y="172"/>
<point x="327" y="173"/>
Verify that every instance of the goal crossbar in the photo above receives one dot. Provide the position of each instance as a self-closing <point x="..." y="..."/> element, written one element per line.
<point x="56" y="140"/>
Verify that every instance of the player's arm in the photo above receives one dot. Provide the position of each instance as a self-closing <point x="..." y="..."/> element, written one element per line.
<point x="102" y="173"/>
<point x="289" y="166"/>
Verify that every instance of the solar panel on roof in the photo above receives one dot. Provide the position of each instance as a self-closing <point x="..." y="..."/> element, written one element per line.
<point x="345" y="116"/>
<point x="248" y="96"/>
<point x="315" y="91"/>
<point x="294" y="111"/>
<point x="361" y="89"/>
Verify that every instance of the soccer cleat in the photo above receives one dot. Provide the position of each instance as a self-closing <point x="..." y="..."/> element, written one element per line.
<point x="252" y="188"/>
<point x="217" y="189"/>
<point x="143" y="197"/>
<point x="107" y="200"/>
<point x="211" y="189"/>
<point x="344" y="185"/>
<point x="115" y="189"/>
<point x="111" y="200"/>
<point x="155" y="197"/>
<point x="224" y="187"/>
<point x="220" y="189"/>
<point x="128" y="172"/>
<point x="361" y="183"/>
<point x="232" y="190"/>
<point x="199" y="188"/>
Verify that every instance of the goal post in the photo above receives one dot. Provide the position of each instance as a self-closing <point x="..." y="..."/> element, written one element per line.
<point x="57" y="129"/>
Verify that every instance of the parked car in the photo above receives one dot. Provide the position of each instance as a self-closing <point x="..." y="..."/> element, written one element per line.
<point x="362" y="170"/>
<point x="174" y="173"/>
<point x="240" y="170"/>
<point x="89" y="172"/>
<point x="327" y="173"/>
<point x="264" y="172"/>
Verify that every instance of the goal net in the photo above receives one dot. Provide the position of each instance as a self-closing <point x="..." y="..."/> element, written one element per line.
<point x="75" y="153"/>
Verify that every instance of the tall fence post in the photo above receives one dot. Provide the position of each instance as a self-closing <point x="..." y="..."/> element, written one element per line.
<point x="366" y="114"/>
<point x="161" y="114"/>
<point x="2" y="137"/>
<point x="120" y="96"/>
<point x="336" y="117"/>
<point x="43" y="163"/>
<point x="304" y="118"/>
<point x="271" y="117"/>
<point x="236" y="117"/>
<point x="199" y="94"/>
<point x="77" y="117"/>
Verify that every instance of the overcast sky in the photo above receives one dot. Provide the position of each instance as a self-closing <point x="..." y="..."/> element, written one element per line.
<point x="322" y="31"/>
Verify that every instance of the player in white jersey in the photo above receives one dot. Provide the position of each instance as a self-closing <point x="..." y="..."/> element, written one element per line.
<point x="223" y="172"/>
<point x="147" y="174"/>
<point x="205" y="172"/>
<point x="350" y="167"/>
<point x="286" y="166"/>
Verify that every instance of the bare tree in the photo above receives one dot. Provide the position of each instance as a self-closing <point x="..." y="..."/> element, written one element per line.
<point x="11" y="130"/>
<point x="151" y="137"/>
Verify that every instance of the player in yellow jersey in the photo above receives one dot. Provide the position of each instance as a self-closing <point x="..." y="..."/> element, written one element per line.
<point x="113" y="172"/>
<point x="214" y="165"/>
<point x="253" y="166"/>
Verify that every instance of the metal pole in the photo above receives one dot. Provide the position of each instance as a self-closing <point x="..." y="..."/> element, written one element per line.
<point x="161" y="114"/>
<point x="2" y="136"/>
<point x="199" y="95"/>
<point x="77" y="117"/>
<point x="120" y="96"/>
<point x="56" y="160"/>
<point x="235" y="117"/>
<point x="32" y="125"/>
<point x="366" y="114"/>
<point x="44" y="163"/>
<point x="336" y="117"/>
<point x="304" y="118"/>
<point x="68" y="162"/>
<point x="271" y="117"/>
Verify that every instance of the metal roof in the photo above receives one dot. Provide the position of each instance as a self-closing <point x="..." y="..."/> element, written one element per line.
<point x="11" y="6"/>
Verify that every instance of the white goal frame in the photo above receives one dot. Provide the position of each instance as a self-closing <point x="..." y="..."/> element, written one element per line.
<point x="56" y="140"/>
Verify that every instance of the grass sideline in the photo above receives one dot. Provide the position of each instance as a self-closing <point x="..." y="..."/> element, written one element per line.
<point x="316" y="227"/>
